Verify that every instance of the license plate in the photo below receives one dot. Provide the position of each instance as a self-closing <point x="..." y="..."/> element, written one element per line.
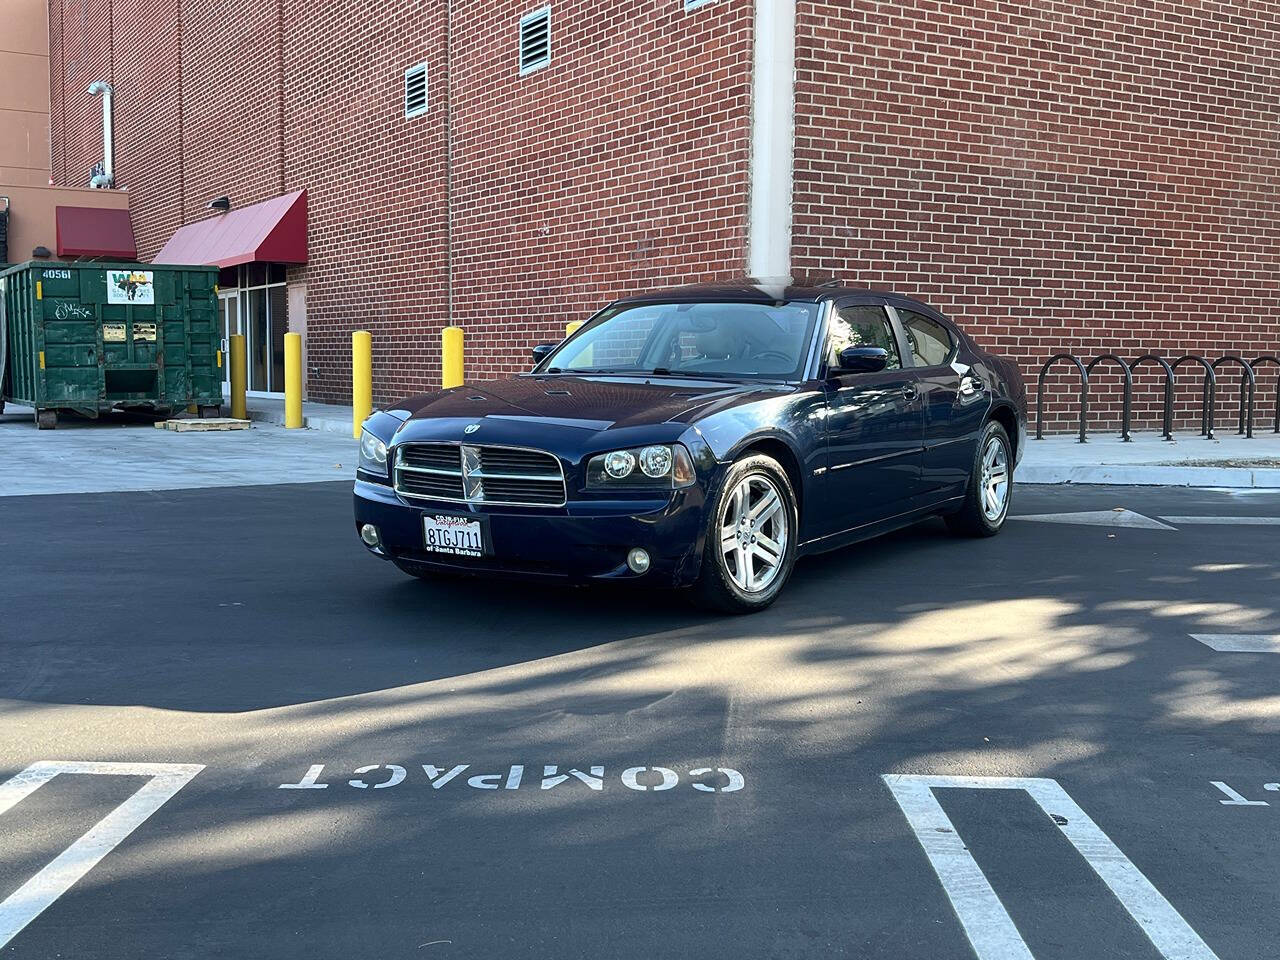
<point x="455" y="536"/>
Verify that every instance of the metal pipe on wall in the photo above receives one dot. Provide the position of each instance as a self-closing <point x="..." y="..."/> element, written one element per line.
<point x="101" y="87"/>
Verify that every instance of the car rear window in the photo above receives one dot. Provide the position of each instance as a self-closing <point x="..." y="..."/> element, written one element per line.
<point x="930" y="342"/>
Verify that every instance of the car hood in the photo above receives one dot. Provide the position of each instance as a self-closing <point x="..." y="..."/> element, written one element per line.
<point x="574" y="410"/>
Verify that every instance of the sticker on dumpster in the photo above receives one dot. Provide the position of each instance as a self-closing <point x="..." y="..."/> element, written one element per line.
<point x="130" y="286"/>
<point x="144" y="331"/>
<point x="113" y="333"/>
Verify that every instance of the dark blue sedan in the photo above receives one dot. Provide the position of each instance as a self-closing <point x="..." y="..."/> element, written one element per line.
<point x="701" y="438"/>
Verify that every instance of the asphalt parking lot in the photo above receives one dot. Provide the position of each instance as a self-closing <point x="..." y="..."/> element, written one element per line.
<point x="930" y="747"/>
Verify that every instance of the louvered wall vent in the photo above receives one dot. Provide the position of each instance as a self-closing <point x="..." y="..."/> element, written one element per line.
<point x="415" y="90"/>
<point x="535" y="40"/>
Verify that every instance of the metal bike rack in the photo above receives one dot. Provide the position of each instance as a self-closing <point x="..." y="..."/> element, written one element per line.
<point x="1248" y="381"/>
<point x="1270" y="358"/>
<point x="1167" y="418"/>
<point x="1210" y="392"/>
<point x="1084" y="393"/>
<point x="1128" y="391"/>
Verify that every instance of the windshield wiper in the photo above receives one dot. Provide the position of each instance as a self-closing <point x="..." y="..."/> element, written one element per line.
<point x="664" y="372"/>
<point x="655" y="372"/>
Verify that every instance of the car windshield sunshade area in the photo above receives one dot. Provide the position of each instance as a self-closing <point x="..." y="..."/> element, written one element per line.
<point x="693" y="339"/>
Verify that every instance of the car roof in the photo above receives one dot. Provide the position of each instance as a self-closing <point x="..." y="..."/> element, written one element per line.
<point x="763" y="293"/>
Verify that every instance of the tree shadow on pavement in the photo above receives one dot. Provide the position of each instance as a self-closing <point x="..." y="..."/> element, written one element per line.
<point x="1051" y="652"/>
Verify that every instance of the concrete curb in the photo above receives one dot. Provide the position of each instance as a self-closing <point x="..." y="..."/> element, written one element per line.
<point x="336" y="425"/>
<point x="1151" y="475"/>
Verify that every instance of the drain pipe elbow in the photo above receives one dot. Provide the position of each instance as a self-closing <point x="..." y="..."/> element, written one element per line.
<point x="107" y="92"/>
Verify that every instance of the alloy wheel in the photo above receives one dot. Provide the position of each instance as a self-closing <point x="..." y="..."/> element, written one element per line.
<point x="753" y="533"/>
<point x="995" y="479"/>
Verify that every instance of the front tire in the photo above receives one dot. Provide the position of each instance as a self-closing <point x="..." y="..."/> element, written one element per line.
<point x="990" y="488"/>
<point x="750" y="538"/>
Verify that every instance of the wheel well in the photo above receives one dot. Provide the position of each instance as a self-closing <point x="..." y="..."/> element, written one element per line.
<point x="782" y="453"/>
<point x="1005" y="417"/>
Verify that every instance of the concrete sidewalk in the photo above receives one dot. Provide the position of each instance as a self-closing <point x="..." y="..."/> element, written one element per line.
<point x="122" y="453"/>
<point x="325" y="417"/>
<point x="1189" y="460"/>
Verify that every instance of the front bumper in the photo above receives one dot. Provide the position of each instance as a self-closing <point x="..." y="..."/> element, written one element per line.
<point x="581" y="542"/>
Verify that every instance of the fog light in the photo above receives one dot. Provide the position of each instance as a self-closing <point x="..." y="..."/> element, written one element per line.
<point x="369" y="534"/>
<point x="638" y="560"/>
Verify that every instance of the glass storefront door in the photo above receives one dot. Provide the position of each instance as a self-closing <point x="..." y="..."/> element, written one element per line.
<point x="229" y="310"/>
<point x="265" y="310"/>
<point x="261" y="310"/>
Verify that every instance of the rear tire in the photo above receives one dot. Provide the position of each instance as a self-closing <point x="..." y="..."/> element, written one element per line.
<point x="990" y="489"/>
<point x="750" y="538"/>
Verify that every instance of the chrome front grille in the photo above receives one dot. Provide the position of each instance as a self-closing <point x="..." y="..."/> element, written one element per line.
<point x="463" y="473"/>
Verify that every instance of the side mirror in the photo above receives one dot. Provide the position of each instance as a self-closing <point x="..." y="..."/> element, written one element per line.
<point x="542" y="351"/>
<point x="862" y="360"/>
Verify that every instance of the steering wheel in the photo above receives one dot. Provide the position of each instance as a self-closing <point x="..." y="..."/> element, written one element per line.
<point x="771" y="355"/>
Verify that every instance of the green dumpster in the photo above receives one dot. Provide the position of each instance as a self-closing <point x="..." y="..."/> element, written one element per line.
<point x="93" y="337"/>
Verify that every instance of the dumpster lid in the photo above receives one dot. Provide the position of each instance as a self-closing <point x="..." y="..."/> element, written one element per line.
<point x="93" y="232"/>
<point x="274" y="231"/>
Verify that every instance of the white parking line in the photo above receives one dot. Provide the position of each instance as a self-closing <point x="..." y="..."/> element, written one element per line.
<point x="988" y="925"/>
<point x="1225" y="521"/>
<point x="1234" y="798"/>
<point x="1240" y="642"/>
<point x="29" y="900"/>
<point x="1097" y="518"/>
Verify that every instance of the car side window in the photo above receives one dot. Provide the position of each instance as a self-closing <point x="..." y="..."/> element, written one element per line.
<point x="864" y="326"/>
<point x="928" y="340"/>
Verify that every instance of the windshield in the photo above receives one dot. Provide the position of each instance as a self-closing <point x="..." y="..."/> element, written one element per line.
<point x="693" y="339"/>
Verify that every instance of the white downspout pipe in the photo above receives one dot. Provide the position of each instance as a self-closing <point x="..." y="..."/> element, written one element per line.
<point x="108" y="146"/>
<point x="773" y="104"/>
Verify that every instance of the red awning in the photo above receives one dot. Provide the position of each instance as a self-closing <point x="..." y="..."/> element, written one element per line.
<point x="91" y="232"/>
<point x="274" y="231"/>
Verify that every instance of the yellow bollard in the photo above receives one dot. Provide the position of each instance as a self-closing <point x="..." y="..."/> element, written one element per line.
<point x="586" y="356"/>
<point x="239" y="369"/>
<point x="292" y="381"/>
<point x="451" y="362"/>
<point x="361" y="379"/>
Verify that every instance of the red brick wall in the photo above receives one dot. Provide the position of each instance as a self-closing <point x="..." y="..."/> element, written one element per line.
<point x="86" y="56"/>
<point x="230" y="103"/>
<point x="57" y="108"/>
<point x="375" y="187"/>
<point x="1055" y="174"/>
<point x="148" y="128"/>
<point x="620" y="166"/>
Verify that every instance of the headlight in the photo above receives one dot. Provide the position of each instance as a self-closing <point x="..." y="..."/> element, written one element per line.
<point x="619" y="464"/>
<point x="657" y="465"/>
<point x="373" y="454"/>
<point x="656" y="461"/>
